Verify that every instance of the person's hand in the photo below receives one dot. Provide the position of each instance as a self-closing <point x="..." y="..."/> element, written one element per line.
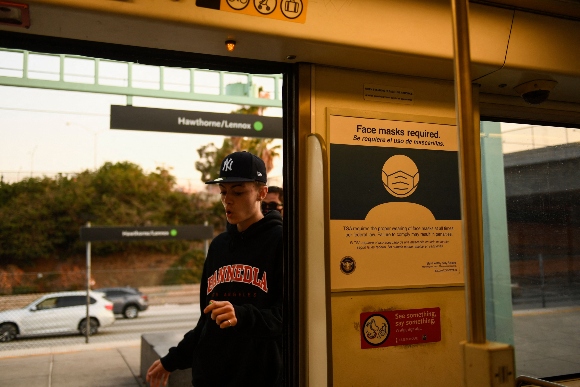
<point x="223" y="313"/>
<point x="157" y="375"/>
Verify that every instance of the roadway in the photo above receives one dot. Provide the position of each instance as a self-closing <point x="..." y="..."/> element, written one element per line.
<point x="158" y="318"/>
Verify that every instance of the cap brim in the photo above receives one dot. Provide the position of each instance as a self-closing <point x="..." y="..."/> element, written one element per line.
<point x="229" y="180"/>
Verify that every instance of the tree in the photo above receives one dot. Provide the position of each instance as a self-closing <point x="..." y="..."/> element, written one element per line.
<point x="40" y="217"/>
<point x="210" y="156"/>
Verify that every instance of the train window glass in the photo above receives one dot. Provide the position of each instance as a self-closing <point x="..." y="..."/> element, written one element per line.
<point x="113" y="73"/>
<point x="11" y="64"/>
<point x="206" y="82"/>
<point x="145" y="77"/>
<point x="531" y="205"/>
<point x="79" y="70"/>
<point x="176" y="79"/>
<point x="45" y="67"/>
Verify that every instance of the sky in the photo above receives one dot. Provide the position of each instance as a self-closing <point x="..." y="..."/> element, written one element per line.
<point x="45" y="132"/>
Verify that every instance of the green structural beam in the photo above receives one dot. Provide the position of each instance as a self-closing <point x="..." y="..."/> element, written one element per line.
<point x="498" y="296"/>
<point x="92" y="75"/>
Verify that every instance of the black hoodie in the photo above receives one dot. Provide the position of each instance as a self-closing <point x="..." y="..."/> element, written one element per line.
<point x="245" y="269"/>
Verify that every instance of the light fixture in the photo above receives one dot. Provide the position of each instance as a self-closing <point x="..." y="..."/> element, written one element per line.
<point x="230" y="45"/>
<point x="14" y="14"/>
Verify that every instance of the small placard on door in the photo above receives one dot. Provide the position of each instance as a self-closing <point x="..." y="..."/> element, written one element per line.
<point x="400" y="327"/>
<point x="383" y="93"/>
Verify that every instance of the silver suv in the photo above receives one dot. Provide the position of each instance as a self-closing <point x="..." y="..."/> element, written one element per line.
<point x="127" y="301"/>
<point x="57" y="313"/>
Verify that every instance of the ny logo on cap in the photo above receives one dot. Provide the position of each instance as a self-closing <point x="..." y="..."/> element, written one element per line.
<point x="228" y="164"/>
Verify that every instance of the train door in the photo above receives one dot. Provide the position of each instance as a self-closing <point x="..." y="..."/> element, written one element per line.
<point x="245" y="84"/>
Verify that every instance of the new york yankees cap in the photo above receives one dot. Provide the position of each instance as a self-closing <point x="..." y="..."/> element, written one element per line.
<point x="240" y="167"/>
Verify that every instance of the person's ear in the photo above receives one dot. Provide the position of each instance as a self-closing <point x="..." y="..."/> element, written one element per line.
<point x="262" y="192"/>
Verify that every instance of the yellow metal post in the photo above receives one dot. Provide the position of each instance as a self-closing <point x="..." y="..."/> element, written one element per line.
<point x="485" y="364"/>
<point x="470" y="174"/>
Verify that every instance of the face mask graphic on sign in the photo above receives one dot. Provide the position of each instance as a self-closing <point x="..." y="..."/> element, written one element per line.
<point x="400" y="176"/>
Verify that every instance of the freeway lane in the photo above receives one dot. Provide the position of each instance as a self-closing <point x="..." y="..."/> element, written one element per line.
<point x="158" y="318"/>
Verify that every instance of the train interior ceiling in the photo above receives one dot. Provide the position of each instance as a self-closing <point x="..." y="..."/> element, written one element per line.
<point x="500" y="32"/>
<point x="525" y="72"/>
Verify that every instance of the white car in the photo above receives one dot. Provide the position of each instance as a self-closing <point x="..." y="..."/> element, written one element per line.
<point x="57" y="313"/>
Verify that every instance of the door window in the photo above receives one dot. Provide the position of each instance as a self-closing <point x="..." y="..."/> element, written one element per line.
<point x="531" y="207"/>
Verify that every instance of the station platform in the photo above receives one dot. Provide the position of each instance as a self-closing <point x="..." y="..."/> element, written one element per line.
<point x="546" y="341"/>
<point x="113" y="364"/>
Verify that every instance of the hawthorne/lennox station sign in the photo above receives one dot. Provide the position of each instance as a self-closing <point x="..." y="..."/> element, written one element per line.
<point x="186" y="121"/>
<point x="92" y="234"/>
<point x="194" y="232"/>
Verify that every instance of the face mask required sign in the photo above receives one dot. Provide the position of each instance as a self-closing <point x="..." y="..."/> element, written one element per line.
<point x="185" y="121"/>
<point x="395" y="206"/>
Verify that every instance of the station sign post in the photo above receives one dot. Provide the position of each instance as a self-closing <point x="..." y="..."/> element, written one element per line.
<point x="129" y="233"/>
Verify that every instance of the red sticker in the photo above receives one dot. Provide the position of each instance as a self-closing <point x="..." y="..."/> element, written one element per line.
<point x="400" y="327"/>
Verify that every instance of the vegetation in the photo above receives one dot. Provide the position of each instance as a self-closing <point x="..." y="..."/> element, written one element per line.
<point x="186" y="270"/>
<point x="210" y="156"/>
<point x="40" y="221"/>
<point x="40" y="218"/>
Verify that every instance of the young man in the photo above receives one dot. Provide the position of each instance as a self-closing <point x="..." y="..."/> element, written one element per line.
<point x="274" y="200"/>
<point x="238" y="338"/>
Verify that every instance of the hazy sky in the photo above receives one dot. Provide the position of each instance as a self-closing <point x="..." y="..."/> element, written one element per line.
<point x="45" y="132"/>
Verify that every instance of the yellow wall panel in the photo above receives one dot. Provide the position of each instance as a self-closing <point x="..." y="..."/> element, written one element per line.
<point x="434" y="364"/>
<point x="430" y="364"/>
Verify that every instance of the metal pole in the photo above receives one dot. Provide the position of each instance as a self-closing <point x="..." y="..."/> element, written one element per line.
<point x="470" y="164"/>
<point x="206" y="242"/>
<point x="542" y="280"/>
<point x="88" y="319"/>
